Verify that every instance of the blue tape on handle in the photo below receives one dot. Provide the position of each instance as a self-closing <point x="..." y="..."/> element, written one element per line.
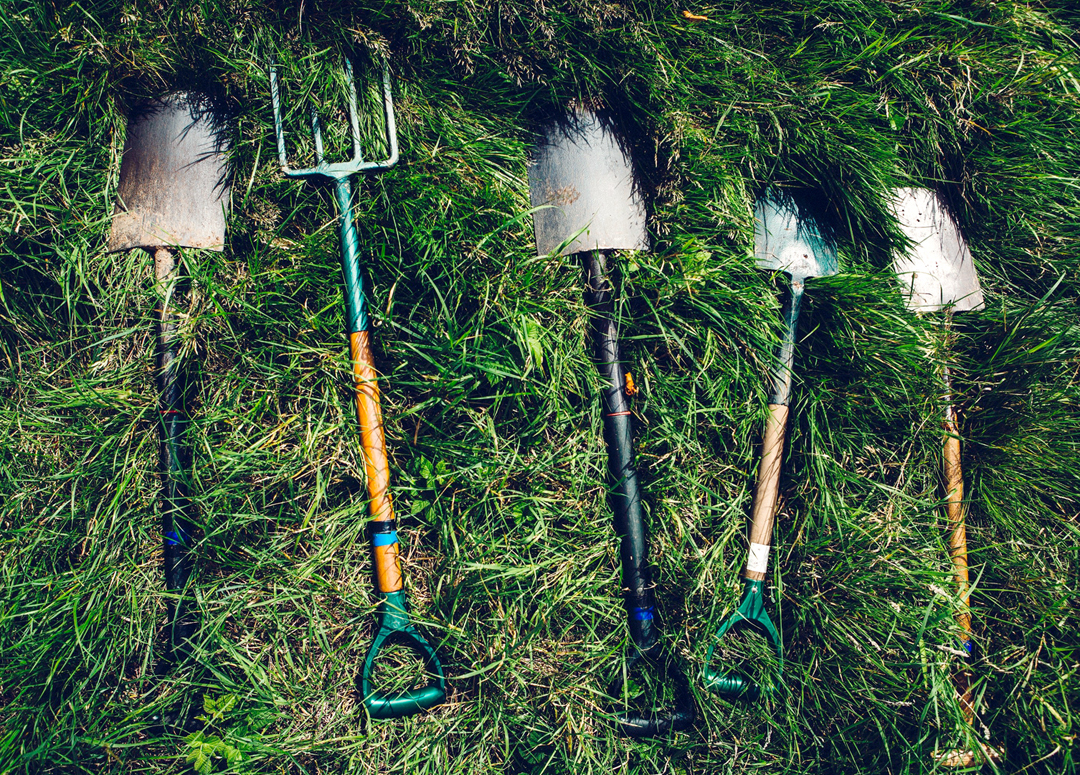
<point x="969" y="646"/>
<point x="643" y="614"/>
<point x="384" y="539"/>
<point x="172" y="538"/>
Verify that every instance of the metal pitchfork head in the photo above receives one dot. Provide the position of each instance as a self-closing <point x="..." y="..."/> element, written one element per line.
<point x="343" y="169"/>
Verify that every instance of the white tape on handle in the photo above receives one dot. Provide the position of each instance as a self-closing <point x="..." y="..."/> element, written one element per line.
<point x="758" y="561"/>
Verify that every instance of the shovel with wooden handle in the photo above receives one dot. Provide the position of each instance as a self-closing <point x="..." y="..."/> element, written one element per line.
<point x="582" y="184"/>
<point x="937" y="274"/>
<point x="785" y="240"/>
<point x="173" y="193"/>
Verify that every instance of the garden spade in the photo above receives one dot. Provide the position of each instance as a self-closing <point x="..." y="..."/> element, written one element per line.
<point x="173" y="193"/>
<point x="583" y="187"/>
<point x="937" y="274"/>
<point x="785" y="240"/>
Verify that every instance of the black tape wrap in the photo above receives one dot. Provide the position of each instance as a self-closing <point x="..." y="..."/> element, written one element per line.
<point x="625" y="493"/>
<point x="174" y="462"/>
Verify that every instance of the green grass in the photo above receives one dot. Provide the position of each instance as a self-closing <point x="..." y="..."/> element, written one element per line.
<point x="490" y="396"/>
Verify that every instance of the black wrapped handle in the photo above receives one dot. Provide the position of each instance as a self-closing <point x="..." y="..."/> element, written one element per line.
<point x="657" y="722"/>
<point x="625" y="499"/>
<point x="174" y="460"/>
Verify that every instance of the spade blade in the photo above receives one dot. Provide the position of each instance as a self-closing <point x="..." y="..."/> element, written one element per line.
<point x="788" y="240"/>
<point x="173" y="187"/>
<point x="583" y="183"/>
<point x="937" y="271"/>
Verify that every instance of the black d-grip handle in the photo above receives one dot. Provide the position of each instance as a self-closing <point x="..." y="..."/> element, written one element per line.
<point x="639" y="724"/>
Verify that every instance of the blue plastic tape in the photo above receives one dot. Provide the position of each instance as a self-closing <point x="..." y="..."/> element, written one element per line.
<point x="172" y="538"/>
<point x="384" y="539"/>
<point x="643" y="614"/>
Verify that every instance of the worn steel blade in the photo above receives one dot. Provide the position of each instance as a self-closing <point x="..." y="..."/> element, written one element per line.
<point x="937" y="271"/>
<point x="788" y="240"/>
<point x="174" y="190"/>
<point x="584" y="183"/>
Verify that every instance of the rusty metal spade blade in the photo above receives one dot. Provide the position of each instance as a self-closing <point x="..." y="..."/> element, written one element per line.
<point x="173" y="189"/>
<point x="582" y="184"/>
<point x="173" y="192"/>
<point x="583" y="188"/>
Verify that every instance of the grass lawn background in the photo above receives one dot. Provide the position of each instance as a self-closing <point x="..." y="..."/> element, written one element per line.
<point x="490" y="396"/>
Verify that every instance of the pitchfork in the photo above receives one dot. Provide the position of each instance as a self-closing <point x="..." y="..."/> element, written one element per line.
<point x="391" y="609"/>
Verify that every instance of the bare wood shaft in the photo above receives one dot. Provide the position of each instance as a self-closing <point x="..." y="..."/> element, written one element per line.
<point x="954" y="504"/>
<point x="376" y="466"/>
<point x="954" y="484"/>
<point x="768" y="482"/>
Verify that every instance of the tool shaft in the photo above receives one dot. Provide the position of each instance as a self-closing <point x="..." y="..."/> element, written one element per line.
<point x="782" y="373"/>
<point x="625" y="493"/>
<point x="385" y="546"/>
<point x="767" y="489"/>
<point x="957" y="528"/>
<point x="173" y="460"/>
<point x="766" y="492"/>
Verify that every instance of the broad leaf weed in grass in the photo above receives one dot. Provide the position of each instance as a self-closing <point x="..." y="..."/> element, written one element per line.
<point x="490" y="395"/>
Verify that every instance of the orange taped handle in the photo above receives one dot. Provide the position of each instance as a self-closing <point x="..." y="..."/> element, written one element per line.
<point x="376" y="466"/>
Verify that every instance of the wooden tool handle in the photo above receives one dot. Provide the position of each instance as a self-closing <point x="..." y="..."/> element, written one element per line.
<point x="954" y="500"/>
<point x="954" y="504"/>
<point x="376" y="466"/>
<point x="766" y="492"/>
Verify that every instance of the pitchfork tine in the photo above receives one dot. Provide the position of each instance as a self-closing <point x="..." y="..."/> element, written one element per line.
<point x="358" y="153"/>
<point x="339" y="170"/>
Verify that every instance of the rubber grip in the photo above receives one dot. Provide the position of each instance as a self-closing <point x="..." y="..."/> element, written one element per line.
<point x="732" y="685"/>
<point x="383" y="706"/>
<point x="394" y="623"/>
<point x="639" y="724"/>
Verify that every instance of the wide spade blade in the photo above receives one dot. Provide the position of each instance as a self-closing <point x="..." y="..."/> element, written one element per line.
<point x="587" y="183"/>
<point x="937" y="271"/>
<point x="788" y="240"/>
<point x="173" y="189"/>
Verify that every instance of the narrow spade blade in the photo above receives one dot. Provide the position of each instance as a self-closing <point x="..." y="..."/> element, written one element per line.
<point x="584" y="184"/>
<point x="173" y="189"/>
<point x="788" y="240"/>
<point x="937" y="271"/>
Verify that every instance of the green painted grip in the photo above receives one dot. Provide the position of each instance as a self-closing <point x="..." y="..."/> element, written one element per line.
<point x="392" y="613"/>
<point x="751" y="611"/>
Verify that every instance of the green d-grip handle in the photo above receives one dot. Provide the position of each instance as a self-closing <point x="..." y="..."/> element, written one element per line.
<point x="393" y="616"/>
<point x="751" y="610"/>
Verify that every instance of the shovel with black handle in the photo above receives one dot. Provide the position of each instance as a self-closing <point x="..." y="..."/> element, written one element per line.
<point x="583" y="187"/>
<point x="173" y="193"/>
